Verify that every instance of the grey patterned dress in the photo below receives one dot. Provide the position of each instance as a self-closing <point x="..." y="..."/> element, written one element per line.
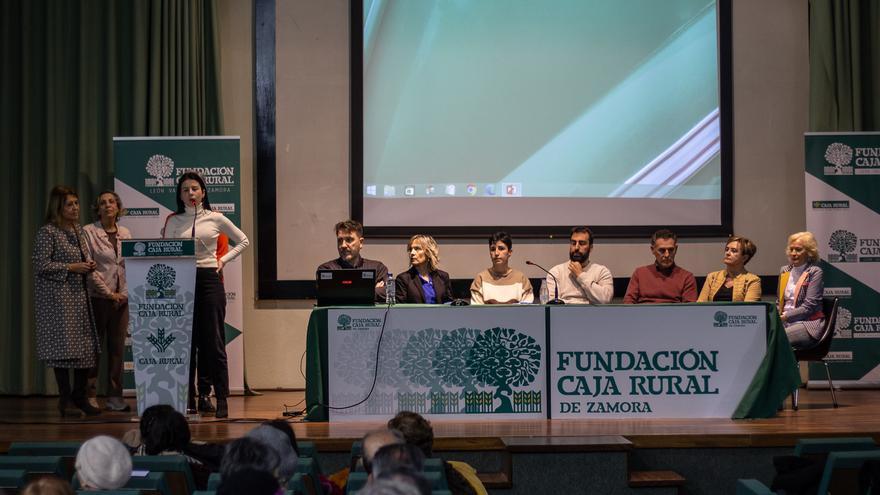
<point x="66" y="336"/>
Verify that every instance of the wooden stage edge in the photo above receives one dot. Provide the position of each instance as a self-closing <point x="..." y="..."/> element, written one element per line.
<point x="36" y="419"/>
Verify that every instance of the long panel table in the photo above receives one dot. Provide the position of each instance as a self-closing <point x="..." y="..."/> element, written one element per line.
<point x="557" y="362"/>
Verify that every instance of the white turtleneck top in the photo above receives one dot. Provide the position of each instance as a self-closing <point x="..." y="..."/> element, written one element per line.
<point x="209" y="225"/>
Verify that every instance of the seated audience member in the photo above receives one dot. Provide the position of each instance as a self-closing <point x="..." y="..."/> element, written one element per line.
<point x="501" y="284"/>
<point x="423" y="283"/>
<point x="164" y="431"/>
<point x="284" y="427"/>
<point x="734" y="283"/>
<point x="375" y="440"/>
<point x="663" y="281"/>
<point x="800" y="292"/>
<point x="276" y="440"/>
<point x="48" y="485"/>
<point x="461" y="477"/>
<point x="349" y="241"/>
<point x="103" y="463"/>
<point x="248" y="453"/>
<point x="407" y="476"/>
<point x="581" y="281"/>
<point x="390" y="487"/>
<point x="397" y="455"/>
<point x="250" y="481"/>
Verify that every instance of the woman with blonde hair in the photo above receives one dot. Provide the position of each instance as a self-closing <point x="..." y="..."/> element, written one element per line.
<point x="62" y="264"/>
<point x="423" y="283"/>
<point x="734" y="283"/>
<point x="800" y="292"/>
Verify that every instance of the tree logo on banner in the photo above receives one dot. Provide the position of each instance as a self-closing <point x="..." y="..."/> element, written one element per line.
<point x="501" y="358"/>
<point x="844" y="242"/>
<point x="161" y="277"/>
<point x="839" y="155"/>
<point x="720" y="319"/>
<point x="844" y="320"/>
<point x="160" y="167"/>
<point x="343" y="322"/>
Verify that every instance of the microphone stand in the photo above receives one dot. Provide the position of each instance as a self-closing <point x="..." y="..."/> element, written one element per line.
<point x="555" y="299"/>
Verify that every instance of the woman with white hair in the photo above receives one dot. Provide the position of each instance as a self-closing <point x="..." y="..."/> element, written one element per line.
<point x="800" y="292"/>
<point x="278" y="442"/>
<point x="423" y="283"/>
<point x="103" y="463"/>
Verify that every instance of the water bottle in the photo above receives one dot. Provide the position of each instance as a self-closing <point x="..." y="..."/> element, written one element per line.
<point x="390" y="297"/>
<point x="544" y="294"/>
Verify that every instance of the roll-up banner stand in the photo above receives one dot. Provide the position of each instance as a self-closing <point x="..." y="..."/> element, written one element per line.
<point x="842" y="180"/>
<point x="147" y="169"/>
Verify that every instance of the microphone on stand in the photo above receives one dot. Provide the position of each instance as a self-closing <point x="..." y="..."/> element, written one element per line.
<point x="555" y="299"/>
<point x="195" y="214"/>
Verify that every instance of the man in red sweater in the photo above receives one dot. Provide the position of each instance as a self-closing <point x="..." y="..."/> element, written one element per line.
<point x="663" y="281"/>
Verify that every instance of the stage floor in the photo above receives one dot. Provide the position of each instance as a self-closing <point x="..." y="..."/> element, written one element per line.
<point x="35" y="419"/>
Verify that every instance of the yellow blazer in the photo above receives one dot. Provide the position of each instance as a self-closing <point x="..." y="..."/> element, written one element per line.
<point x="746" y="286"/>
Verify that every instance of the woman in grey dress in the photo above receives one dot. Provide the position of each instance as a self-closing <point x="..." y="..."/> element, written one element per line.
<point x="66" y="337"/>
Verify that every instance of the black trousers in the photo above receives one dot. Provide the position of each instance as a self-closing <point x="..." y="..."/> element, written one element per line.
<point x="208" y="351"/>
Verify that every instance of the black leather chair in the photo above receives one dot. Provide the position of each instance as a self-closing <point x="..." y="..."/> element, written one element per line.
<point x="818" y="351"/>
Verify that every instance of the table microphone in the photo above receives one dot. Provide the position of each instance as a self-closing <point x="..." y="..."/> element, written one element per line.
<point x="555" y="299"/>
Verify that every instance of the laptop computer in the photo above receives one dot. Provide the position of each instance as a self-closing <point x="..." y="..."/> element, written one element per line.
<point x="346" y="287"/>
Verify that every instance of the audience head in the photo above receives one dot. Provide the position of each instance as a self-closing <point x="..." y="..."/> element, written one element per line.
<point x="397" y="455"/>
<point x="108" y="203"/>
<point x="278" y="442"/>
<point x="738" y="251"/>
<point x="390" y="487"/>
<point x="248" y="480"/>
<point x="500" y="249"/>
<point x="802" y="248"/>
<point x="48" y="485"/>
<point x="63" y="207"/>
<point x="375" y="440"/>
<point x="349" y="240"/>
<point x="580" y="243"/>
<point x="163" y="429"/>
<point x="191" y="187"/>
<point x="248" y="453"/>
<point x="103" y="463"/>
<point x="415" y="429"/>
<point x="284" y="427"/>
<point x="423" y="251"/>
<point x="664" y="245"/>
<point x="407" y="476"/>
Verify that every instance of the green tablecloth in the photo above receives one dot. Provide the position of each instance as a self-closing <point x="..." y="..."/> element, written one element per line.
<point x="776" y="378"/>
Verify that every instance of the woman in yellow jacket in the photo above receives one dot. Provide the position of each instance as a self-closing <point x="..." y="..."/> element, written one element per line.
<point x="734" y="283"/>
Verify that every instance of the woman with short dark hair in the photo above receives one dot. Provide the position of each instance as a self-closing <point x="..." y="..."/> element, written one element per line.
<point x="734" y="283"/>
<point x="501" y="284"/>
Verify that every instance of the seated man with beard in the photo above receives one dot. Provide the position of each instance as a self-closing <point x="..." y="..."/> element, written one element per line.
<point x="581" y="281"/>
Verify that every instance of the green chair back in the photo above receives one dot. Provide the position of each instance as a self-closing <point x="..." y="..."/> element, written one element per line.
<point x="842" y="468"/>
<point x="36" y="466"/>
<point x="813" y="446"/>
<point x="178" y="474"/>
<point x="12" y="479"/>
<point x="64" y="449"/>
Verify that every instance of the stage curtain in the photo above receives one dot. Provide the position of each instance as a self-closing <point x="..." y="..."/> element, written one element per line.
<point x="73" y="74"/>
<point x="844" y="73"/>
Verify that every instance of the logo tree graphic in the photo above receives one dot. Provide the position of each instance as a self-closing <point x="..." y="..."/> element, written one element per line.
<point x="502" y="358"/>
<point x="838" y="154"/>
<point x="160" y="166"/>
<point x="842" y="241"/>
<point x="417" y="358"/>
<point x="844" y="318"/>
<point x="450" y="362"/>
<point x="720" y="319"/>
<point x="161" y="277"/>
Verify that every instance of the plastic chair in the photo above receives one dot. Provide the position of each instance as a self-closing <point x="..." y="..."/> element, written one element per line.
<point x="36" y="466"/>
<point x="12" y="479"/>
<point x="178" y="474"/>
<point x="150" y="484"/>
<point x="818" y="351"/>
<point x="841" y="463"/>
<point x="64" y="449"/>
<point x="752" y="487"/>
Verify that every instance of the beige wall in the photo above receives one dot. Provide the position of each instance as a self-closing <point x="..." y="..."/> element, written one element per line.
<point x="770" y="78"/>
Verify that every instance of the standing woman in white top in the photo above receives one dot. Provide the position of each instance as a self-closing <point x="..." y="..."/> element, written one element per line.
<point x="109" y="294"/>
<point x="194" y="218"/>
<point x="800" y="292"/>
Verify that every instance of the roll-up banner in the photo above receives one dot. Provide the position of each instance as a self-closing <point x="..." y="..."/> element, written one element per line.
<point x="147" y="169"/>
<point x="842" y="181"/>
